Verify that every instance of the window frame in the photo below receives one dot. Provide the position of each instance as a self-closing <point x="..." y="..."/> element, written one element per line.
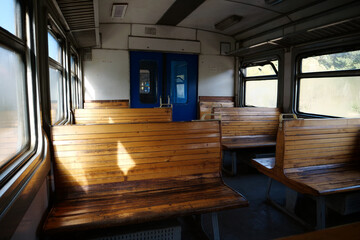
<point x="57" y="33"/>
<point x="19" y="46"/>
<point x="258" y="62"/>
<point x="321" y="74"/>
<point x="75" y="103"/>
<point x="25" y="172"/>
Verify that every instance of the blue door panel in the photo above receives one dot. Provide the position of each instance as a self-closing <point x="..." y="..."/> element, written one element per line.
<point x="146" y="69"/>
<point x="181" y="86"/>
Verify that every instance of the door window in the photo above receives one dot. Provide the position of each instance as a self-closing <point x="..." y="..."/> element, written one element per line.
<point x="148" y="74"/>
<point x="179" y="81"/>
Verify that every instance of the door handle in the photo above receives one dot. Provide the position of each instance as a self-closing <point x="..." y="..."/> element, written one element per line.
<point x="168" y="104"/>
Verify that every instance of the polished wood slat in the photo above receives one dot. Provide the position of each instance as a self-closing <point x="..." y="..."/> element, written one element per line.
<point x="142" y="157"/>
<point x="140" y="129"/>
<point x="348" y="232"/>
<point x="113" y="189"/>
<point x="248" y="141"/>
<point x="106" y="104"/>
<point x="130" y="173"/>
<point x="125" y="115"/>
<point x="207" y="104"/>
<point x="156" y="134"/>
<point x="316" y="156"/>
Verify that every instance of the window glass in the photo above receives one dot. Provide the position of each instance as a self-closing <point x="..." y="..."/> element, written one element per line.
<point x="332" y="62"/>
<point x="260" y="70"/>
<point x="260" y="84"/>
<point x="56" y="94"/>
<point x="8" y="16"/>
<point x="337" y="96"/>
<point x="72" y="63"/>
<point x="261" y="93"/>
<point x="54" y="48"/>
<point x="179" y="81"/>
<point x="148" y="75"/>
<point x="14" y="133"/>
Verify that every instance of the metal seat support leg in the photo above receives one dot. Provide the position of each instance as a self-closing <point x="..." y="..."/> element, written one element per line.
<point x="320" y="212"/>
<point x="233" y="164"/>
<point x="215" y="225"/>
<point x="289" y="208"/>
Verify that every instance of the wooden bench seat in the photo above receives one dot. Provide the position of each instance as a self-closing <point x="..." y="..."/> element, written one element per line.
<point x="349" y="232"/>
<point x="208" y="103"/>
<point x="316" y="156"/>
<point x="122" y="115"/>
<point x="247" y="128"/>
<point x="118" y="174"/>
<point x="102" y="104"/>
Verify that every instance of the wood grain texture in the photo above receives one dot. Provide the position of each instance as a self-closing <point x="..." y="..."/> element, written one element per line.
<point x="317" y="156"/>
<point x="248" y="127"/>
<point x="132" y="173"/>
<point x="348" y="232"/>
<point x="208" y="103"/>
<point x="106" y="104"/>
<point x="122" y="115"/>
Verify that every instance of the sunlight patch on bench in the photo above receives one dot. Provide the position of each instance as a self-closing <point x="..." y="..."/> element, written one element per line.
<point x="125" y="161"/>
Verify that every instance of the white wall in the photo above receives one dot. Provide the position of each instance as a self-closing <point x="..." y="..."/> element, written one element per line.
<point x="216" y="72"/>
<point x="216" y="75"/>
<point x="107" y="76"/>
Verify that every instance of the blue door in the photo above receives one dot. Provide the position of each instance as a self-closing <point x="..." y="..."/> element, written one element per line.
<point x="172" y="76"/>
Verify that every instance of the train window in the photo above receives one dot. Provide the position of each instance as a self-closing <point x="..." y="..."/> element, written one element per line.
<point x="331" y="62"/>
<point x="57" y="88"/>
<point x="330" y="85"/>
<point x="14" y="133"/>
<point x="179" y="81"/>
<point x="56" y="95"/>
<point x="54" y="48"/>
<point x="9" y="15"/>
<point x="74" y="82"/>
<point x="260" y="83"/>
<point x="148" y="79"/>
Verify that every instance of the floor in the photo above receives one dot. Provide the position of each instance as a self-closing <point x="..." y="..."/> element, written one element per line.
<point x="261" y="220"/>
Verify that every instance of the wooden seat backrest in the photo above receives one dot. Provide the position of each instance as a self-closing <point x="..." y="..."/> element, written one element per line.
<point x="248" y="121"/>
<point x="106" y="104"/>
<point x="314" y="142"/>
<point x="116" y="158"/>
<point x="206" y="105"/>
<point x="122" y="115"/>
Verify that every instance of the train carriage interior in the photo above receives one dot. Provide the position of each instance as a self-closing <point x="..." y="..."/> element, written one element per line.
<point x="179" y="119"/>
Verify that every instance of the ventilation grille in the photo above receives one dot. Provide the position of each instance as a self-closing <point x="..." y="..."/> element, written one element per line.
<point x="79" y="15"/>
<point x="150" y="30"/>
<point x="172" y="233"/>
<point x="118" y="10"/>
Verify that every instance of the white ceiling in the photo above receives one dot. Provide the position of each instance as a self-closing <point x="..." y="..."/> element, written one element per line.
<point x="257" y="15"/>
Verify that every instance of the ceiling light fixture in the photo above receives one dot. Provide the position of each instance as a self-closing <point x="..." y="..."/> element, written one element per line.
<point x="227" y="22"/>
<point x="118" y="10"/>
